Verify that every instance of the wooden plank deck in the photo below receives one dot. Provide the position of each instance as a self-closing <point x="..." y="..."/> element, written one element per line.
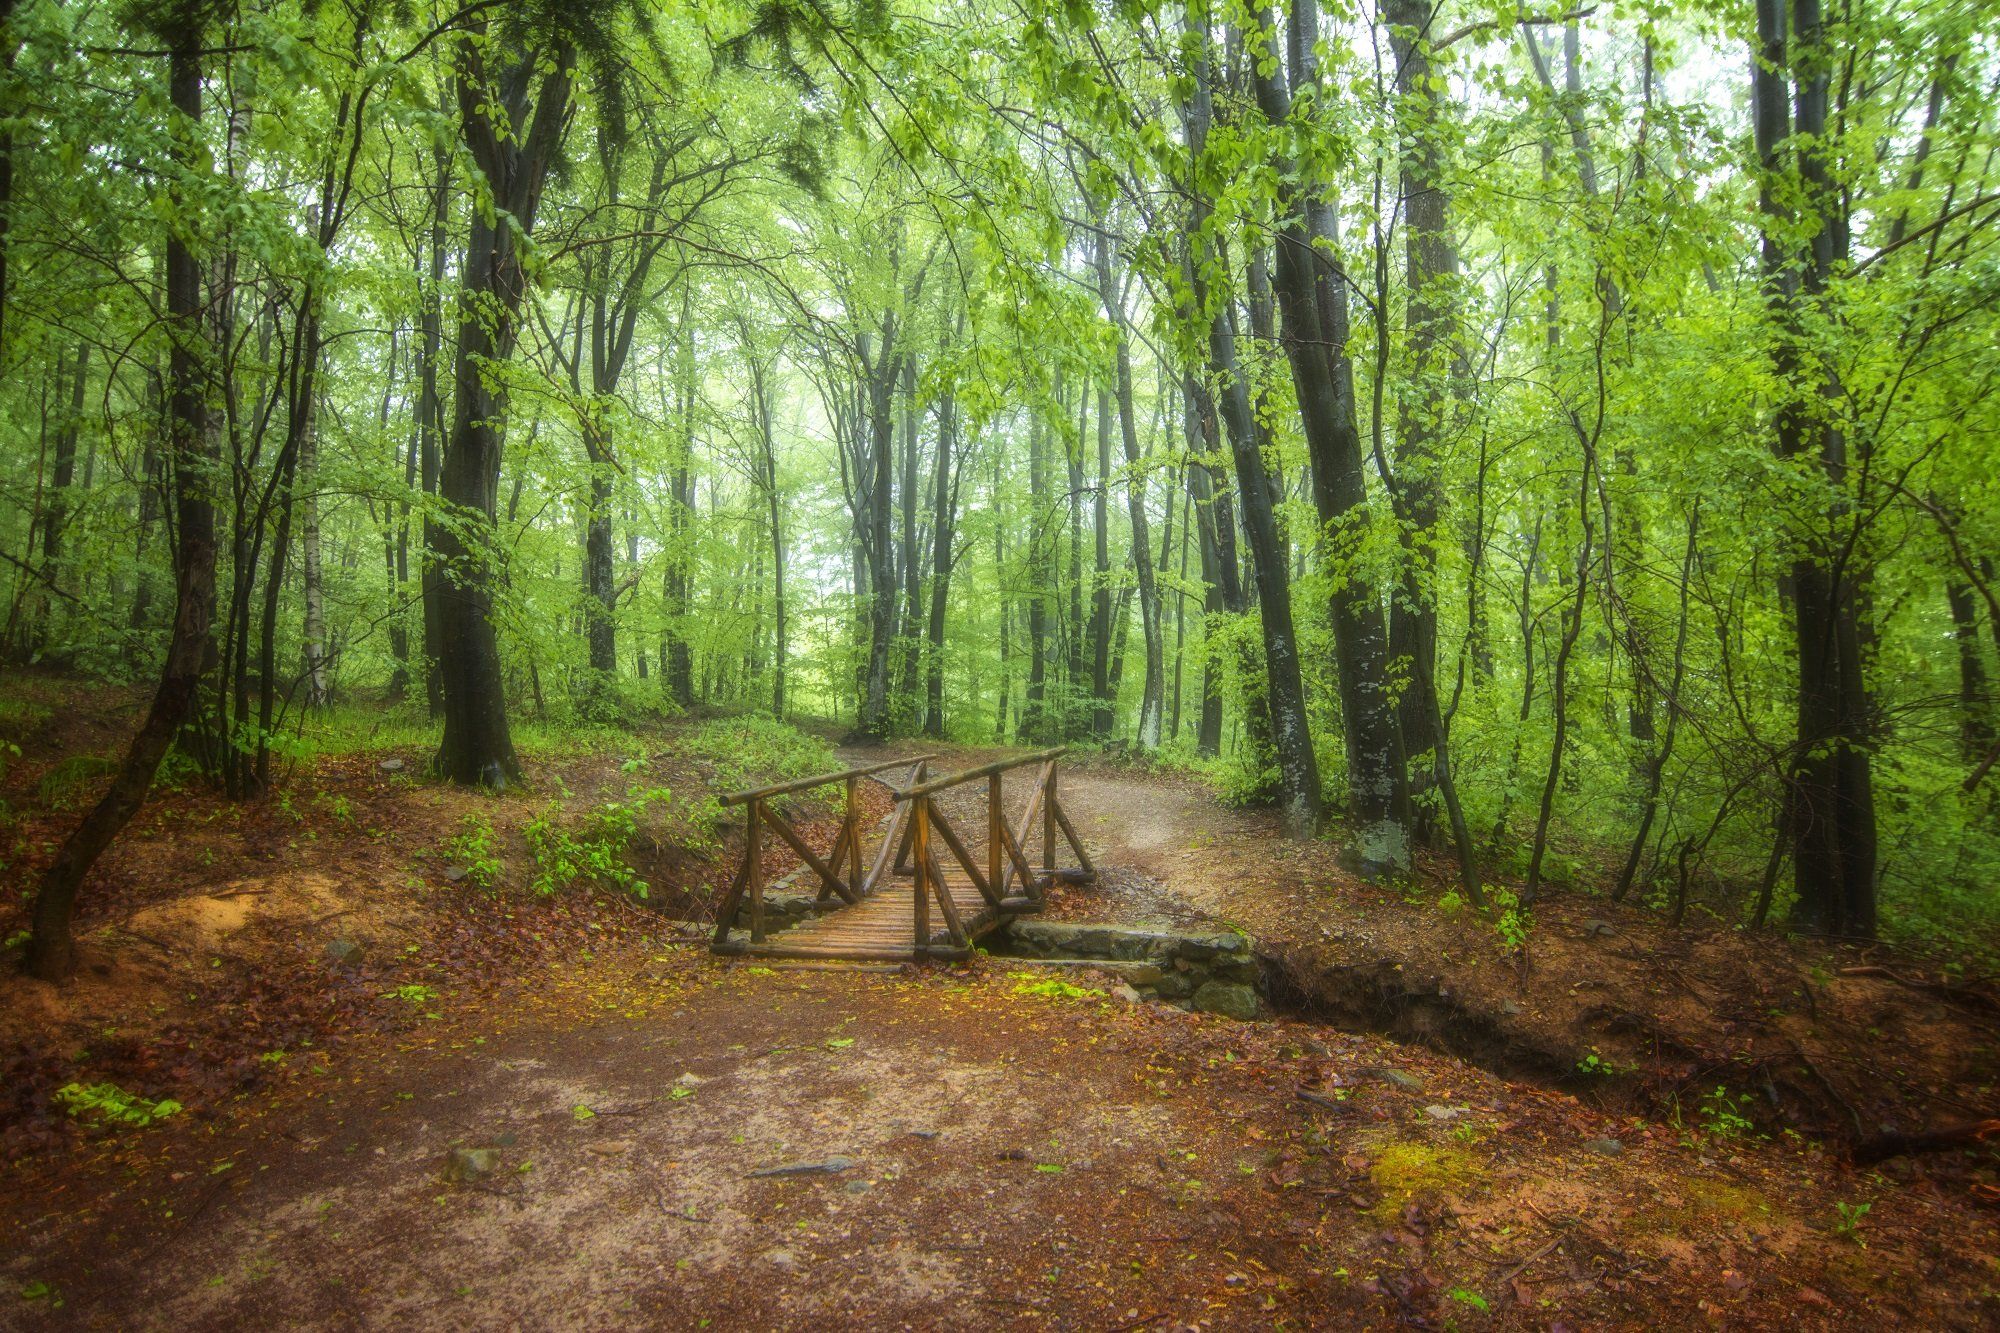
<point x="882" y="926"/>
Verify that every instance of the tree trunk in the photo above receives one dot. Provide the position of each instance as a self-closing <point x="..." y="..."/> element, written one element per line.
<point x="430" y="417"/>
<point x="1831" y="801"/>
<point x="1975" y="717"/>
<point x="872" y="722"/>
<point x="1151" y="699"/>
<point x="56" y="507"/>
<point x="1100" y="585"/>
<point x="1308" y="290"/>
<point x="676" y="656"/>
<point x="1041" y="580"/>
<point x="318" y="693"/>
<point x="944" y="521"/>
<point x="51" y="954"/>
<point x="478" y="748"/>
<point x="1201" y="428"/>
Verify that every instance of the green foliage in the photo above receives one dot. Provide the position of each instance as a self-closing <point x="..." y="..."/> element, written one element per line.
<point x="757" y="751"/>
<point x="1052" y="988"/>
<point x="74" y="780"/>
<point x="1512" y="922"/>
<point x="476" y="848"/>
<point x="595" y="850"/>
<point x="110" y="1105"/>
<point x="1847" y="1222"/>
<point x="1722" y="1116"/>
<point x="1594" y="1065"/>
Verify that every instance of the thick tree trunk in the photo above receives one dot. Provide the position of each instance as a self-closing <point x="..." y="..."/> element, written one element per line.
<point x="478" y="748"/>
<point x="600" y="556"/>
<point x="51" y="954"/>
<point x="872" y="722"/>
<point x="1975" y="705"/>
<point x="1831" y="799"/>
<point x="677" y="658"/>
<point x="1307" y="292"/>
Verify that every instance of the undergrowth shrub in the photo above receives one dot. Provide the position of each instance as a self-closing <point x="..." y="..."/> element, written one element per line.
<point x="754" y="751"/>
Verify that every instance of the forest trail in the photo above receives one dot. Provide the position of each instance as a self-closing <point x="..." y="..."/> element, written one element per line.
<point x="650" y="1137"/>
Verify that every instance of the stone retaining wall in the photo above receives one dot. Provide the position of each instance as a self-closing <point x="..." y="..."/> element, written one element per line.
<point x="1215" y="973"/>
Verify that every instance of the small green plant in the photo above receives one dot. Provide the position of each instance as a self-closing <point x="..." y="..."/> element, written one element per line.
<point x="1595" y="1065"/>
<point x="1722" y="1116"/>
<point x="1054" y="988"/>
<point x="476" y="849"/>
<point x="1513" y="923"/>
<point x="595" y="849"/>
<point x="1466" y="1296"/>
<point x="109" y="1104"/>
<point x="38" y="1290"/>
<point x="339" y="807"/>
<point x="1848" y="1224"/>
<point x="413" y="993"/>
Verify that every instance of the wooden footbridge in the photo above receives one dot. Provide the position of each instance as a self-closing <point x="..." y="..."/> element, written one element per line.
<point x="911" y="903"/>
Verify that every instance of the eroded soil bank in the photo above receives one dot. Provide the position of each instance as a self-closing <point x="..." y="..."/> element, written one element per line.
<point x="1606" y="1000"/>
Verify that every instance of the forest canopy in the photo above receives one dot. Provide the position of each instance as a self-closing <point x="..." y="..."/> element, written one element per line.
<point x="1557" y="441"/>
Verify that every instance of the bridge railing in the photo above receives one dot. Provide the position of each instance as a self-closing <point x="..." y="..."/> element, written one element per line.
<point x="839" y="872"/>
<point x="1007" y="860"/>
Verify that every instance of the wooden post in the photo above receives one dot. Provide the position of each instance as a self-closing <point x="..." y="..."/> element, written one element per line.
<point x="920" y="849"/>
<point x="993" y="848"/>
<point x="753" y="852"/>
<point x="853" y="838"/>
<point x="1049" y="825"/>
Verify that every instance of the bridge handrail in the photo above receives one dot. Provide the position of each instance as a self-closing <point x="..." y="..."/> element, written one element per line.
<point x="935" y="785"/>
<point x="825" y="780"/>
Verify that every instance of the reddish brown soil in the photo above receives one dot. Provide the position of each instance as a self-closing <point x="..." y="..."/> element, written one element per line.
<point x="1017" y="1157"/>
<point x="1016" y="1160"/>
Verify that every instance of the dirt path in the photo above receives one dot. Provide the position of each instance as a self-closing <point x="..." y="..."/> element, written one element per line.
<point x="1016" y="1153"/>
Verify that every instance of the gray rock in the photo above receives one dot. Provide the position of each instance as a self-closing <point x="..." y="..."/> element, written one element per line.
<point x="1445" y="1112"/>
<point x="343" y="952"/>
<point x="1126" y="993"/>
<point x="1597" y="925"/>
<point x="1509" y="1007"/>
<point x="391" y="765"/>
<point x="1068" y="939"/>
<point x="1244" y="971"/>
<point x="1399" y="1078"/>
<point x="1174" y="987"/>
<point x="465" y="1165"/>
<point x="1214" y="946"/>
<point x="832" y="1166"/>
<point x="1228" y="998"/>
<point x="1604" y="1147"/>
<point x="782" y="1260"/>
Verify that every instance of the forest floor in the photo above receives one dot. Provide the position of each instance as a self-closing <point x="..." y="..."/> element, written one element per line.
<point x="411" y="1102"/>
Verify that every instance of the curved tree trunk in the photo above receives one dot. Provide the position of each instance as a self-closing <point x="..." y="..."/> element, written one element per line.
<point x="51" y="952"/>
